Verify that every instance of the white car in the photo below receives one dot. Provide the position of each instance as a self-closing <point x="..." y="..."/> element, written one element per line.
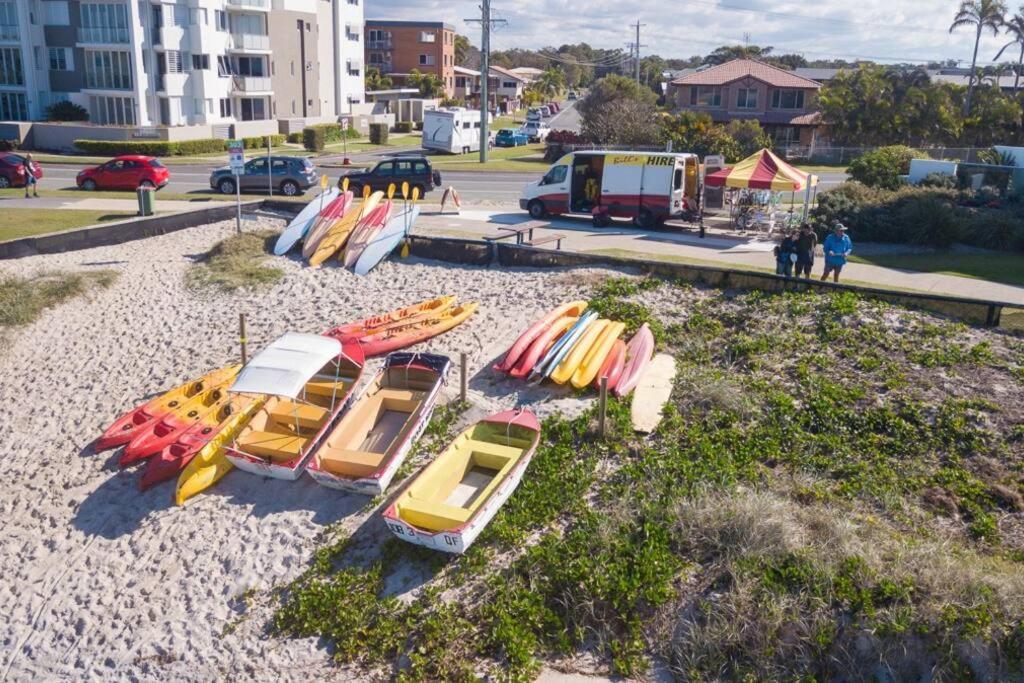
<point x="536" y="131"/>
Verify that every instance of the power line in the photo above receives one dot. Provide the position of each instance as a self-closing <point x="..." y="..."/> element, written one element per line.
<point x="486" y="24"/>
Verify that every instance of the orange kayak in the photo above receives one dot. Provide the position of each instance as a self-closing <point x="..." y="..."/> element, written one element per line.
<point x="540" y="346"/>
<point x="395" y="318"/>
<point x="573" y="308"/>
<point x="401" y="336"/>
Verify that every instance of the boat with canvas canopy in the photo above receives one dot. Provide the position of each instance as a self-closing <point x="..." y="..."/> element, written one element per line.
<point x="310" y="380"/>
<point x="369" y="443"/>
<point x="452" y="499"/>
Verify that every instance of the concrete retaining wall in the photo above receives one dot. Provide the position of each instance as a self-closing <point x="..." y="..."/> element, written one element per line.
<point x="468" y="252"/>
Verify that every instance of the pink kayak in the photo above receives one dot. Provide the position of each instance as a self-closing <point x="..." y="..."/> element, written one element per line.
<point x="638" y="354"/>
<point x="540" y="346"/>
<point x="613" y="365"/>
<point x="573" y="308"/>
<point x="365" y="231"/>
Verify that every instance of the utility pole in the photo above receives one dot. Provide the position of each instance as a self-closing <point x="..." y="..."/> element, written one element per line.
<point x="637" y="45"/>
<point x="486" y="23"/>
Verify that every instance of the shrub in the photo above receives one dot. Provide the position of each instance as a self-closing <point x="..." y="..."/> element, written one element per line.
<point x="260" y="141"/>
<point x="944" y="181"/>
<point x="66" y="111"/>
<point x="202" y="146"/>
<point x="313" y="138"/>
<point x="157" y="148"/>
<point x="418" y="126"/>
<point x="403" y="127"/>
<point x="929" y="219"/>
<point x="379" y="133"/>
<point x="329" y="132"/>
<point x="884" y="166"/>
<point x="295" y="138"/>
<point x="994" y="229"/>
<point x="9" y="145"/>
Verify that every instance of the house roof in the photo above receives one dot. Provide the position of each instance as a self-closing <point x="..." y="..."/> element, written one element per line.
<point x="465" y="71"/>
<point x="743" y="68"/>
<point x="505" y="72"/>
<point x="816" y="73"/>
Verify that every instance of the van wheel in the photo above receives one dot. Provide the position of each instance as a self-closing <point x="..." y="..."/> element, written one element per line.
<point x="645" y="219"/>
<point x="536" y="209"/>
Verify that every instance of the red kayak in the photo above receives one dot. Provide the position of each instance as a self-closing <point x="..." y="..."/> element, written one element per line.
<point x="540" y="346"/>
<point x="613" y="365"/>
<point x="129" y="425"/>
<point x="573" y="308"/>
<point x="166" y="430"/>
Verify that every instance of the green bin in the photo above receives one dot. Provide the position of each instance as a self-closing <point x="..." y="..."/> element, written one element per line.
<point x="147" y="199"/>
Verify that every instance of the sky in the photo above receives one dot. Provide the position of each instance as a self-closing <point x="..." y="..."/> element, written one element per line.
<point x="883" y="30"/>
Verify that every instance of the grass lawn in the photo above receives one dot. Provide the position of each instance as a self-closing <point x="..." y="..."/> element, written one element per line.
<point x="22" y="299"/>
<point x="821" y="168"/>
<point x="997" y="267"/>
<point x="19" y="223"/>
<point x="528" y="158"/>
<point x="71" y="192"/>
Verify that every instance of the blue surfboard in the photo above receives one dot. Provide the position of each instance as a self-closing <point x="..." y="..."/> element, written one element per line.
<point x="550" y="361"/>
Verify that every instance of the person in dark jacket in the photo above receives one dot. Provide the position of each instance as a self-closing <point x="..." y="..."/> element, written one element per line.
<point x="806" y="242"/>
<point x="784" y="255"/>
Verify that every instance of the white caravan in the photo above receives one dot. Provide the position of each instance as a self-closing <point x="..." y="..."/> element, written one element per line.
<point x="454" y="130"/>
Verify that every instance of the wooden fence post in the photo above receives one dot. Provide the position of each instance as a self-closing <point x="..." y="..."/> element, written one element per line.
<point x="603" y="407"/>
<point x="462" y="377"/>
<point x="241" y="337"/>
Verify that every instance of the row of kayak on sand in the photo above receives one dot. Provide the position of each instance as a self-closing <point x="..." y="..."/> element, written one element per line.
<point x="361" y="232"/>
<point x="294" y="408"/>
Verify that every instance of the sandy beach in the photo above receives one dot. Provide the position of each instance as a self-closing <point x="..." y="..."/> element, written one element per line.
<point x="103" y="582"/>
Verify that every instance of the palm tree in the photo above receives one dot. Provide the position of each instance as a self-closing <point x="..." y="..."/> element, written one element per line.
<point x="550" y="83"/>
<point x="981" y="14"/>
<point x="1015" y="27"/>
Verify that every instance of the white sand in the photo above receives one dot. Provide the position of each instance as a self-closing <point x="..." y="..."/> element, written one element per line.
<point x="101" y="581"/>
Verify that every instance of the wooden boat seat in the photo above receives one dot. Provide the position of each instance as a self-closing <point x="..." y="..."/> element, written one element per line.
<point x="307" y="416"/>
<point x="271" y="445"/>
<point x="433" y="516"/>
<point x="346" y="463"/>
<point x="327" y="387"/>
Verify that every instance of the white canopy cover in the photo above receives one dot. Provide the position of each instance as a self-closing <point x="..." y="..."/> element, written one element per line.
<point x="284" y="367"/>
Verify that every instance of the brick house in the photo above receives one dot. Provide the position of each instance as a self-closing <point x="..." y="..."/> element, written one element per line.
<point x="397" y="47"/>
<point x="784" y="103"/>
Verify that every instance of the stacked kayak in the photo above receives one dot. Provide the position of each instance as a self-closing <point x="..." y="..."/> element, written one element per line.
<point x="404" y="327"/>
<point x="371" y="211"/>
<point x="301" y="224"/>
<point x="570" y="345"/>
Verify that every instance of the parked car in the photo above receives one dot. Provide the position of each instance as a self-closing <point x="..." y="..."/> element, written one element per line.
<point x="12" y="170"/>
<point x="509" y="137"/>
<point x="545" y="111"/>
<point x="573" y="95"/>
<point x="554" y="107"/>
<point x="414" y="170"/>
<point x="291" y="176"/>
<point x="536" y="131"/>
<point x="126" y="172"/>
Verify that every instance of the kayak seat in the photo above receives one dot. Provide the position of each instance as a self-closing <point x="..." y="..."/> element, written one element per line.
<point x="307" y="416"/>
<point x="326" y="387"/>
<point x="346" y="463"/>
<point x="271" y="445"/>
<point x="432" y="516"/>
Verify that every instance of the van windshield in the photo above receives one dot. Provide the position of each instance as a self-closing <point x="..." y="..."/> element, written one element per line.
<point x="555" y="175"/>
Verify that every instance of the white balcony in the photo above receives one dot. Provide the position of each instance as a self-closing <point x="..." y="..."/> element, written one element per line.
<point x="103" y="35"/>
<point x="249" y="42"/>
<point x="251" y="84"/>
<point x="250" y="5"/>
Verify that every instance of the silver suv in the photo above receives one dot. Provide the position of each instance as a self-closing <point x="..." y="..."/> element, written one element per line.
<point x="291" y="176"/>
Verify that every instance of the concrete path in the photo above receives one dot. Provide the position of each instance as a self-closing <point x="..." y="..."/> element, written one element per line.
<point x="101" y="204"/>
<point x="686" y="246"/>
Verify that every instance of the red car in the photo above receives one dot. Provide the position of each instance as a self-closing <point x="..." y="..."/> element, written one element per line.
<point x="12" y="170"/>
<point x="125" y="172"/>
<point x="554" y="107"/>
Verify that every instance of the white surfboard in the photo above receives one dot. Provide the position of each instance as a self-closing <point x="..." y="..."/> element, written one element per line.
<point x="652" y="393"/>
<point x="296" y="230"/>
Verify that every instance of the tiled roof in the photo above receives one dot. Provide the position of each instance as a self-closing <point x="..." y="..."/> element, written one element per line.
<point x="743" y="68"/>
<point x="505" y="72"/>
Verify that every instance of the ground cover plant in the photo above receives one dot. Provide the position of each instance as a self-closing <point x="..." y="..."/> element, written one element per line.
<point x="835" y="493"/>
<point x="23" y="299"/>
<point x="236" y="262"/>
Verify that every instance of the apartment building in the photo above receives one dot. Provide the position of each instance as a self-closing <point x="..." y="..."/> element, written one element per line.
<point x="181" y="63"/>
<point x="395" y="48"/>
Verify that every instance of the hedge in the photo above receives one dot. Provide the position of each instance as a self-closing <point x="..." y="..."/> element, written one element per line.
<point x="403" y="127"/>
<point x="313" y="138"/>
<point x="295" y="138"/>
<point x="379" y="133"/>
<point x="165" y="148"/>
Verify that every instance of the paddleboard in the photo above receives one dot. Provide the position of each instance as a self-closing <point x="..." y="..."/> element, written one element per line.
<point x="561" y="348"/>
<point x="296" y="230"/>
<point x="385" y="241"/>
<point x="652" y="393"/>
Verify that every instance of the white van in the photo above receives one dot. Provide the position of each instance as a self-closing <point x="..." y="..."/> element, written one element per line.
<point x="646" y="187"/>
<point x="454" y="130"/>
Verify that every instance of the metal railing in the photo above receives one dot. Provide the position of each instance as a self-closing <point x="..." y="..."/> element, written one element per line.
<point x="253" y="4"/>
<point x="385" y="44"/>
<point x="9" y="32"/>
<point x="103" y="35"/>
<point x="249" y="41"/>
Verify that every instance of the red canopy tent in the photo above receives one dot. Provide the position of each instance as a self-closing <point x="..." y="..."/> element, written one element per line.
<point x="762" y="171"/>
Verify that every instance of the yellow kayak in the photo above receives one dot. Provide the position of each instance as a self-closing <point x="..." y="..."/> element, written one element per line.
<point x="339" y="232"/>
<point x="592" y="362"/>
<point x="209" y="465"/>
<point x="564" y="372"/>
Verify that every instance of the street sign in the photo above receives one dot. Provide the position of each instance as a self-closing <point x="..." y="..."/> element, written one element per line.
<point x="236" y="156"/>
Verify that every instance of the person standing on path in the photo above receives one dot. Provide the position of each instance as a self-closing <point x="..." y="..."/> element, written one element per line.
<point x="806" y="242"/>
<point x="785" y="255"/>
<point x="30" y="177"/>
<point x="836" y="246"/>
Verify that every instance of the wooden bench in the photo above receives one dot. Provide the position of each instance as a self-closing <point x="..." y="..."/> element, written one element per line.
<point x="547" y="239"/>
<point x="522" y="232"/>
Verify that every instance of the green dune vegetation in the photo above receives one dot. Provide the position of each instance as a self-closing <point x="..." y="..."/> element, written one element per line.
<point x="835" y="493"/>
<point x="235" y="262"/>
<point x="23" y="299"/>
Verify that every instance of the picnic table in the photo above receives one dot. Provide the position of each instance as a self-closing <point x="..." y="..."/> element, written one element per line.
<point x="523" y="232"/>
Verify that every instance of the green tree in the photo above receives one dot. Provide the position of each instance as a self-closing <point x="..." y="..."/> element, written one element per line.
<point x="66" y="110"/>
<point x="429" y="85"/>
<point x="549" y="84"/>
<point x="858" y="106"/>
<point x="883" y="167"/>
<point x="1014" y="26"/>
<point x="462" y="48"/>
<point x="612" y="88"/>
<point x="727" y="53"/>
<point x="697" y="133"/>
<point x="374" y="80"/>
<point x="749" y="136"/>
<point x="981" y="15"/>
<point x="625" y="121"/>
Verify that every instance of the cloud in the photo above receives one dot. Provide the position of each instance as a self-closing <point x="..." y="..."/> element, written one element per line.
<point x="886" y="30"/>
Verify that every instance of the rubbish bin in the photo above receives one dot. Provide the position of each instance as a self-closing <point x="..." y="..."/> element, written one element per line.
<point x="147" y="199"/>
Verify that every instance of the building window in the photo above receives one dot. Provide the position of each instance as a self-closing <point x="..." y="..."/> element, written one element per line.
<point x="252" y="108"/>
<point x="428" y="37"/>
<point x="55" y="13"/>
<point x="220" y="20"/>
<point x="249" y="66"/>
<point x="13" y="106"/>
<point x="706" y="96"/>
<point x="199" y="16"/>
<point x="103" y="23"/>
<point x="200" y="62"/>
<point x="223" y="66"/>
<point x="175" y="62"/>
<point x="61" y="59"/>
<point x="353" y="2"/>
<point x="508" y="84"/>
<point x="8" y="21"/>
<point x="108" y="70"/>
<point x="198" y="106"/>
<point x="746" y="98"/>
<point x="460" y="81"/>
<point x="11" y="70"/>
<point x="788" y="99"/>
<point x="225" y="107"/>
<point x="427" y="60"/>
<point x="112" y="110"/>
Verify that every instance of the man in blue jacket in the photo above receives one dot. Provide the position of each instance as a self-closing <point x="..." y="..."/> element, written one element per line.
<point x="836" y="247"/>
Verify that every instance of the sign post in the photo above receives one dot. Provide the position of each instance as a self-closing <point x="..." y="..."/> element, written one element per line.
<point x="270" y="174"/>
<point x="236" y="159"/>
